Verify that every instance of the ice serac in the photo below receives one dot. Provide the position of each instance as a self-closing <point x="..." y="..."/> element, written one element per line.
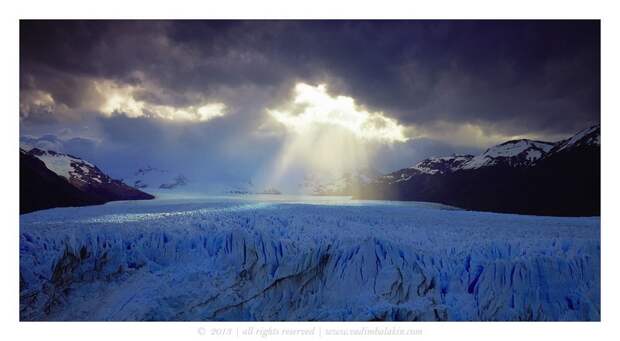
<point x="257" y="261"/>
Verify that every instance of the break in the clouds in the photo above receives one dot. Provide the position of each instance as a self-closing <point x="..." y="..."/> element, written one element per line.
<point x="506" y="77"/>
<point x="393" y="84"/>
<point x="312" y="106"/>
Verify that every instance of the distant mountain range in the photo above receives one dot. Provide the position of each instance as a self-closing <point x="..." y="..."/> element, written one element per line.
<point x="150" y="178"/>
<point x="249" y="188"/>
<point x="520" y="176"/>
<point x="50" y="179"/>
<point x="346" y="184"/>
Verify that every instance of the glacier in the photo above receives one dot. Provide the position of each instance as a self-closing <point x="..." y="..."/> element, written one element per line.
<point x="305" y="259"/>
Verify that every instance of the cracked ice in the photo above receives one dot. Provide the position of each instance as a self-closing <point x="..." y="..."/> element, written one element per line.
<point x="247" y="259"/>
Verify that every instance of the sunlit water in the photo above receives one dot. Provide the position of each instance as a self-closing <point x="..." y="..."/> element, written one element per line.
<point x="175" y="204"/>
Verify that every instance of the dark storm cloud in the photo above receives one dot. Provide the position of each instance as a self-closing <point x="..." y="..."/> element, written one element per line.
<point x="508" y="77"/>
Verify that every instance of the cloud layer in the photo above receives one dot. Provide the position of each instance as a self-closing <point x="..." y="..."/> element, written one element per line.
<point x="312" y="106"/>
<point x="140" y="86"/>
<point x="507" y="76"/>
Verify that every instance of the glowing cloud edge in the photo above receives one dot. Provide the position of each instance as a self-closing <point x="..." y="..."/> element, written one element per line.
<point x="313" y="106"/>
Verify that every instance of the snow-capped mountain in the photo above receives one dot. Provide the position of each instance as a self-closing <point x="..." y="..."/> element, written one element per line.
<point x="514" y="153"/>
<point x="587" y="137"/>
<point x="430" y="166"/>
<point x="82" y="146"/>
<point x="78" y="172"/>
<point x="179" y="180"/>
<point x="45" y="142"/>
<point x="248" y="187"/>
<point x="270" y="191"/>
<point x="244" y="187"/>
<point x="442" y="165"/>
<point x="51" y="179"/>
<point x="346" y="184"/>
<point x="520" y="176"/>
<point x="151" y="179"/>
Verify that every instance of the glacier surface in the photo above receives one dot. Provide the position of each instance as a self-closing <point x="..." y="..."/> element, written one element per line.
<point x="299" y="259"/>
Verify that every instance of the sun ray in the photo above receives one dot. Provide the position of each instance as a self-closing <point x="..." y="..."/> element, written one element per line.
<point x="329" y="135"/>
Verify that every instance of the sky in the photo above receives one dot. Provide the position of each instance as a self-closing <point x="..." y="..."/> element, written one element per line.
<point x="270" y="101"/>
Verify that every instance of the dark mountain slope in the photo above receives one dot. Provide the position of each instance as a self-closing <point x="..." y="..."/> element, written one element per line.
<point x="71" y="182"/>
<point x="563" y="180"/>
<point x="40" y="188"/>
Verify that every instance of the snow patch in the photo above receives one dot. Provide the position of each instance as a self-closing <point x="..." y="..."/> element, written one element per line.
<point x="588" y="136"/>
<point x="442" y="165"/>
<point x="510" y="152"/>
<point x="66" y="165"/>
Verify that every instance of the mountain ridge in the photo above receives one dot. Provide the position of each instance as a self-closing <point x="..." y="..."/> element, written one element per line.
<point x="50" y="179"/>
<point x="562" y="178"/>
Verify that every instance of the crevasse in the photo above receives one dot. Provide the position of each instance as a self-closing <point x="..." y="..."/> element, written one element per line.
<point x="239" y="261"/>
